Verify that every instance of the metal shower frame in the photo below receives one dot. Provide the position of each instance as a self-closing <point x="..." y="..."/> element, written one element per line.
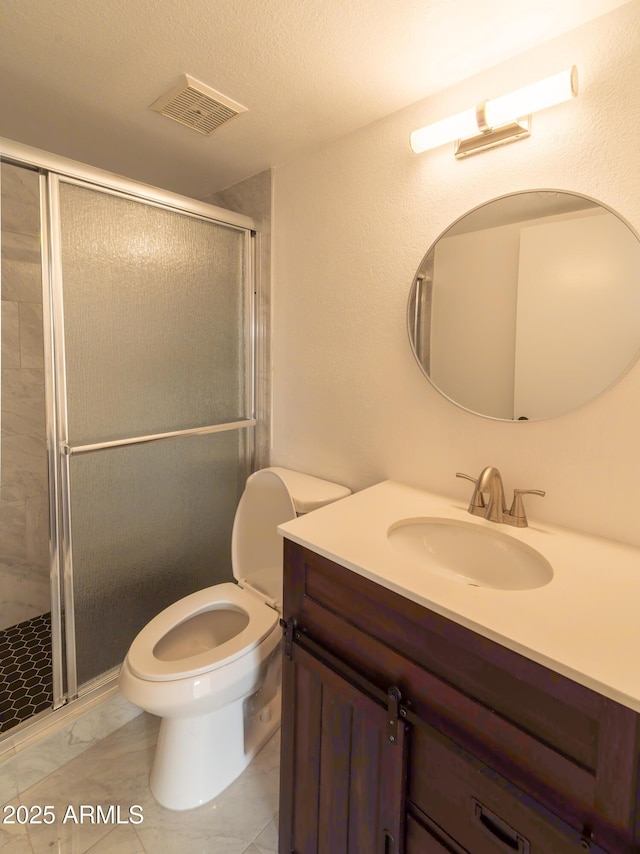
<point x="53" y="171"/>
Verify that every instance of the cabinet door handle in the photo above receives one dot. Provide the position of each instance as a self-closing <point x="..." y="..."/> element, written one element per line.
<point x="389" y="846"/>
<point x="501" y="832"/>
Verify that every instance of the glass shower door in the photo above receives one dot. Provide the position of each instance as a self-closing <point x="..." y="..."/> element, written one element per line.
<point x="154" y="347"/>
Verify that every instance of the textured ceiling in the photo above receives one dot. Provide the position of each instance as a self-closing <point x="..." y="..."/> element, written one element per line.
<point x="77" y="76"/>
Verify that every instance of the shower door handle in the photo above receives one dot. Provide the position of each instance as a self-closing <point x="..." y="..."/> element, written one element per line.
<point x="68" y="450"/>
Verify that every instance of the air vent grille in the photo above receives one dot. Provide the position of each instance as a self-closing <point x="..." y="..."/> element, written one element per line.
<point x="197" y="106"/>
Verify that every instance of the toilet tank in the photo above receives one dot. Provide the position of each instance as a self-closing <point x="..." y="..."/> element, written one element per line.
<point x="272" y="496"/>
<point x="308" y="492"/>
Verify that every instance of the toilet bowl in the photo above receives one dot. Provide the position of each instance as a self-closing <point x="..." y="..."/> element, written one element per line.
<point x="209" y="665"/>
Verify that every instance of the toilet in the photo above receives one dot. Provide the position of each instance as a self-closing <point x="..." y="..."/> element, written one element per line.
<point x="209" y="665"/>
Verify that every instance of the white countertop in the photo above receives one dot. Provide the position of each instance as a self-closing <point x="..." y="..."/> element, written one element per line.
<point x="584" y="624"/>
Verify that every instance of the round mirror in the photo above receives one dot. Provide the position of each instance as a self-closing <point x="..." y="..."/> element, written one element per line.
<point x="528" y="306"/>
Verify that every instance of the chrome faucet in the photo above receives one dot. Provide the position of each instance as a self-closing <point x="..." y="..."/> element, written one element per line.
<point x="488" y="499"/>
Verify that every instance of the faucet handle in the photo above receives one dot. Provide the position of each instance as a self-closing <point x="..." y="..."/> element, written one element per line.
<point x="477" y="499"/>
<point x="516" y="513"/>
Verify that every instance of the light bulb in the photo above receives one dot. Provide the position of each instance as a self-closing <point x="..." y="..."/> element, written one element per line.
<point x="462" y="124"/>
<point x="496" y="112"/>
<point x="545" y="93"/>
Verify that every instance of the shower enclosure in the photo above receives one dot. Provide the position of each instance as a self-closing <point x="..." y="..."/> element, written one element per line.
<point x="145" y="416"/>
<point x="25" y="602"/>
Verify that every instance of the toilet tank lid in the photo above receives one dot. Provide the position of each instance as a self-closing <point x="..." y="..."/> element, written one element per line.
<point x="308" y="492"/>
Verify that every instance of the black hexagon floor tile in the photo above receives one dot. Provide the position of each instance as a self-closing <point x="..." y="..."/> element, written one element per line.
<point x="25" y="671"/>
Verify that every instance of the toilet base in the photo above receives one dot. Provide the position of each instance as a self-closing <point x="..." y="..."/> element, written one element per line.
<point x="198" y="757"/>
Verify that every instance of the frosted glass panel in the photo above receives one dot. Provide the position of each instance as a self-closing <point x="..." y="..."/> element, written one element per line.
<point x="155" y="321"/>
<point x="151" y="523"/>
<point x="154" y="318"/>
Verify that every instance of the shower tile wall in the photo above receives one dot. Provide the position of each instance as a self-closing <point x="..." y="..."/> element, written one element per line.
<point x="24" y="523"/>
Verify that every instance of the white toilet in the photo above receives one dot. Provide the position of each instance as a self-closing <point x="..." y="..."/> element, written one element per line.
<point x="209" y="665"/>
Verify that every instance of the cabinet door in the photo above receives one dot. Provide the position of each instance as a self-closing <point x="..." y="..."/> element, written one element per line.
<point x="342" y="778"/>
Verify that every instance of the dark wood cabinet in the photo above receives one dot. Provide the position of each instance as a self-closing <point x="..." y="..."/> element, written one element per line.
<point x="349" y="778"/>
<point x="403" y="731"/>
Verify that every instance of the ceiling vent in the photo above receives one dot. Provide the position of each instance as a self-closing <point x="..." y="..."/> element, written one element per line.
<point x="197" y="106"/>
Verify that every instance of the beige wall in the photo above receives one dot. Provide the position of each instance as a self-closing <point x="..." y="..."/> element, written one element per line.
<point x="351" y="224"/>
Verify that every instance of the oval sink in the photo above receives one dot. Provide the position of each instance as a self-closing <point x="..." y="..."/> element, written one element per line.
<point x="471" y="554"/>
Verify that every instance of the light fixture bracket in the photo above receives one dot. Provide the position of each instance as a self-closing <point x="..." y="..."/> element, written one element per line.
<point x="493" y="137"/>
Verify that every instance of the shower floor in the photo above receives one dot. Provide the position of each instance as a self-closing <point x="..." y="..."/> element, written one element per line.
<point x="25" y="670"/>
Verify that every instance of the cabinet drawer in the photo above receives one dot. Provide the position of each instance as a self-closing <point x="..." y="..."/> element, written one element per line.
<point x="419" y="840"/>
<point x="482" y="811"/>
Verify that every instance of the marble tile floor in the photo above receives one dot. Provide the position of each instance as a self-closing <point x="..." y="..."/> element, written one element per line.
<point x="114" y="772"/>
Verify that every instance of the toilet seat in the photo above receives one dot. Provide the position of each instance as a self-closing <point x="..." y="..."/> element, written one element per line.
<point x="261" y="621"/>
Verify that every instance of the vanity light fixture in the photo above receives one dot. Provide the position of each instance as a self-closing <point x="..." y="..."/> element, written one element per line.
<point x="497" y="120"/>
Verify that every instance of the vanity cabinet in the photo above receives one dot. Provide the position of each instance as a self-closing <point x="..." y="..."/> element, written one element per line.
<point x="403" y="731"/>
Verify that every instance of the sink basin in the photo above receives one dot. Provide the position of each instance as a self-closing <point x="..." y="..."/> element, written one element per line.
<point x="471" y="554"/>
